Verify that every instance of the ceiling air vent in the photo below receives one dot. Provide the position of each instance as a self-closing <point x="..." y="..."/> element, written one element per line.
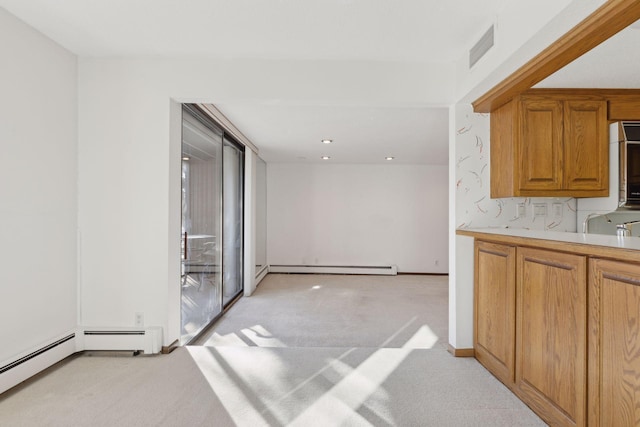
<point x="481" y="47"/>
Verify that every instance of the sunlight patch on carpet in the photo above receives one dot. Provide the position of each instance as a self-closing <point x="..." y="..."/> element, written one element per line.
<point x="340" y="403"/>
<point x="261" y="337"/>
<point x="423" y="338"/>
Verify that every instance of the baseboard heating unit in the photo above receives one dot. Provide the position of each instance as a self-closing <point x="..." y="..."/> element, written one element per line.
<point x="148" y="340"/>
<point x="29" y="363"/>
<point x="15" y="371"/>
<point x="385" y="270"/>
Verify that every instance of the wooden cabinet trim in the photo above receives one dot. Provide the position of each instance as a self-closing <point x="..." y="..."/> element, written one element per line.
<point x="593" y="346"/>
<point x="622" y="104"/>
<point x="503" y="150"/>
<point x="620" y="278"/>
<point x="606" y="252"/>
<point x="548" y="263"/>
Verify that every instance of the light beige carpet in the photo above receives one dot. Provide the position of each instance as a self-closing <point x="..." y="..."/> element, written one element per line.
<point x="262" y="377"/>
<point x="306" y="310"/>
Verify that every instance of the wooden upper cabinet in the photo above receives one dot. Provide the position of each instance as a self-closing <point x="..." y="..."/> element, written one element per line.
<point x="550" y="146"/>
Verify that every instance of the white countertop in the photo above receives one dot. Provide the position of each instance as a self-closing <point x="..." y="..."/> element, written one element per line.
<point x="579" y="238"/>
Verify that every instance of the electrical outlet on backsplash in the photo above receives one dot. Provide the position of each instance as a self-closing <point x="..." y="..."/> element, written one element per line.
<point x="474" y="206"/>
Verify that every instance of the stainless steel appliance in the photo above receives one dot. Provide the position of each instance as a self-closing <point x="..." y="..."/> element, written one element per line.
<point x="629" y="133"/>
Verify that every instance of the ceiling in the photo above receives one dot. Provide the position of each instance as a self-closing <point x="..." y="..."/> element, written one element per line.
<point x="401" y="31"/>
<point x="613" y="64"/>
<point x="359" y="134"/>
<point x="379" y="30"/>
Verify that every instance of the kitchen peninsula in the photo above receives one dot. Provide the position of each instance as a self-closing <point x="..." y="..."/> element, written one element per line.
<point x="557" y="320"/>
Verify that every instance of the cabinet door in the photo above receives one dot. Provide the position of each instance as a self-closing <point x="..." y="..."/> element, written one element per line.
<point x="540" y="145"/>
<point x="586" y="146"/>
<point x="614" y="343"/>
<point x="494" y="326"/>
<point x="551" y="335"/>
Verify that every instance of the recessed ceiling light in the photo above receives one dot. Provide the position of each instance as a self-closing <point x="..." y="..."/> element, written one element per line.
<point x="325" y="157"/>
<point x="327" y="141"/>
<point x="186" y="158"/>
<point x="389" y="158"/>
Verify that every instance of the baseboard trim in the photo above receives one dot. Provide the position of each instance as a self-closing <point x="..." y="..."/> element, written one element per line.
<point x="166" y="349"/>
<point x="421" y="274"/>
<point x="385" y="270"/>
<point x="261" y="274"/>
<point x="461" y="352"/>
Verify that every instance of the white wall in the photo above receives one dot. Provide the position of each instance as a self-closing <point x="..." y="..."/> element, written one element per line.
<point x="358" y="215"/>
<point x="38" y="170"/>
<point x="261" y="214"/>
<point x="129" y="197"/>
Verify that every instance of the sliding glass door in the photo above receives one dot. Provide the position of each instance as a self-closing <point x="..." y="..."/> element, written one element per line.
<point x="212" y="222"/>
<point x="201" y="278"/>
<point x="233" y="169"/>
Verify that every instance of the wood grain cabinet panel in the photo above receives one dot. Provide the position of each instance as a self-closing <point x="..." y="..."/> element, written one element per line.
<point x="570" y="349"/>
<point x="614" y="343"/>
<point x="495" y="290"/>
<point x="586" y="156"/>
<point x="541" y="144"/>
<point x="550" y="146"/>
<point x="551" y="335"/>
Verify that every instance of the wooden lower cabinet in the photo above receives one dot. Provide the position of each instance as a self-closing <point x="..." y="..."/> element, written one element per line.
<point x="561" y="328"/>
<point x="614" y="343"/>
<point x="551" y="342"/>
<point x="494" y="311"/>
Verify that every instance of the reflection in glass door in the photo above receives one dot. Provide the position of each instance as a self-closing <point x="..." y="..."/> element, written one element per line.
<point x="233" y="190"/>
<point x="201" y="276"/>
<point x="212" y="222"/>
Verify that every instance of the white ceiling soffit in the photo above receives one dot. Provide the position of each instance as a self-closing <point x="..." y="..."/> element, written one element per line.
<point x="385" y="30"/>
<point x="613" y="64"/>
<point x="359" y="134"/>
